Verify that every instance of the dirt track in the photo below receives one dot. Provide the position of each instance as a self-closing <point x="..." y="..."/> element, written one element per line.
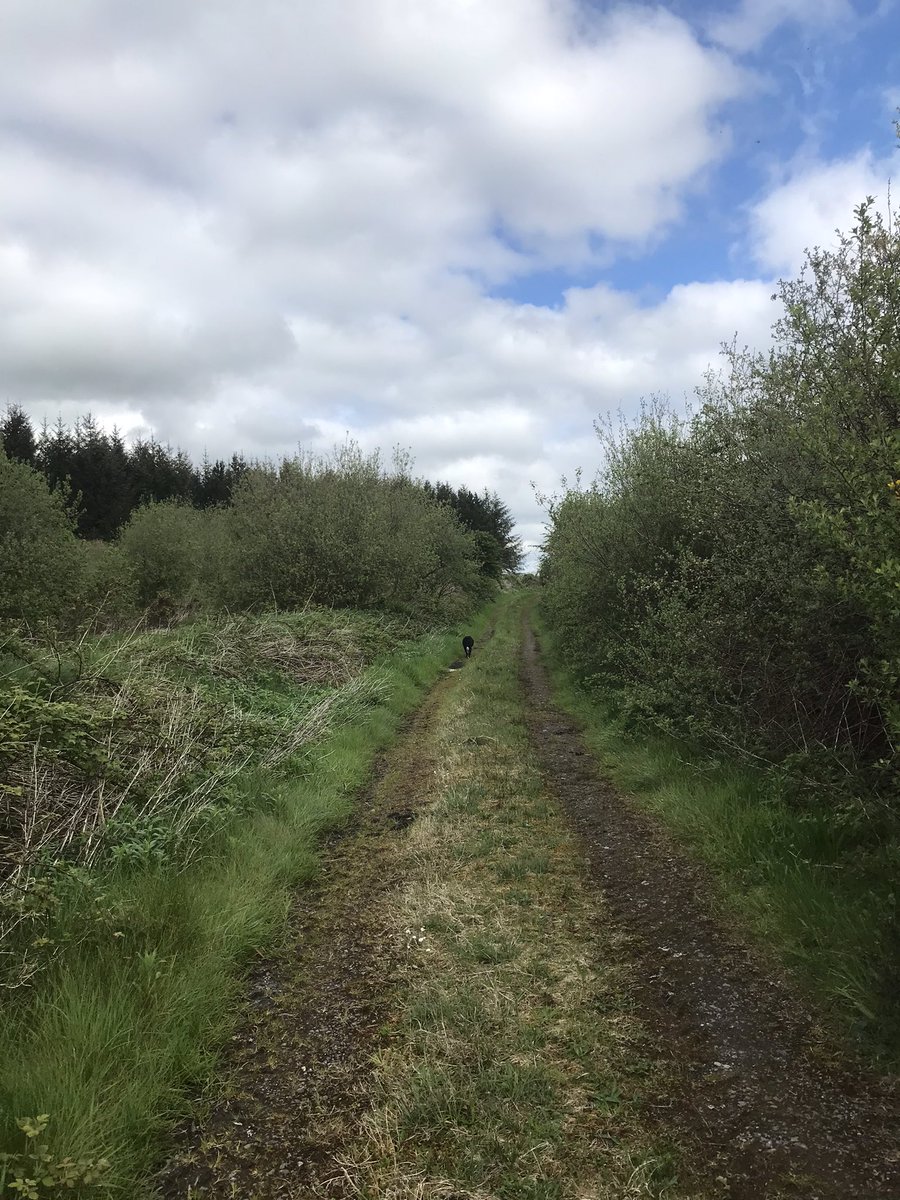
<point x="760" y="1101"/>
<point x="766" y="1105"/>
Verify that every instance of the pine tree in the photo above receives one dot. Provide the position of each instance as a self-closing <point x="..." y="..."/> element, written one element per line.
<point x="55" y="453"/>
<point x="484" y="514"/>
<point x="213" y="484"/>
<point x="17" y="436"/>
<point x="100" y="478"/>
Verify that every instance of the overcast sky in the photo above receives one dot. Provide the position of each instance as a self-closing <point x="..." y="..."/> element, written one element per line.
<point x="464" y="226"/>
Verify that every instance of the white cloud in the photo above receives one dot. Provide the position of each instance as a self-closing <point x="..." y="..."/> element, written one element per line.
<point x="816" y="200"/>
<point x="752" y="22"/>
<point x="501" y="100"/>
<point x="336" y="159"/>
<point x="244" y="226"/>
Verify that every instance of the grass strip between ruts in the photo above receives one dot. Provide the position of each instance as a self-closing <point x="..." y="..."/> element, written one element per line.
<point x="512" y="1067"/>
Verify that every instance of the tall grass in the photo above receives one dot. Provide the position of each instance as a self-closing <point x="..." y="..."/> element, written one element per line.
<point x="820" y="902"/>
<point x="139" y="996"/>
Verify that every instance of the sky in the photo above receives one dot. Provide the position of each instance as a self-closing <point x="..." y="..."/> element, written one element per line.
<point x="464" y="227"/>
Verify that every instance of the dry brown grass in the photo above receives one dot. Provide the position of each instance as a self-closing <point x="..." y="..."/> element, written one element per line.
<point x="235" y="645"/>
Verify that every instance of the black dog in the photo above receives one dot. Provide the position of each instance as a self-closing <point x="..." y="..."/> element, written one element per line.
<point x="468" y="643"/>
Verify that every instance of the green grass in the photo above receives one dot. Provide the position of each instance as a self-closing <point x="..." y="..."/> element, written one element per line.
<point x="821" y="902"/>
<point x="147" y="966"/>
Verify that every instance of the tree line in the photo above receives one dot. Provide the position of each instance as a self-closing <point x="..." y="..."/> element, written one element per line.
<point x="91" y="524"/>
<point x="109" y="479"/>
<point x="733" y="576"/>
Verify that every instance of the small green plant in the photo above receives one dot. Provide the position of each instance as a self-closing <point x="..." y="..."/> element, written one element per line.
<point x="35" y="1171"/>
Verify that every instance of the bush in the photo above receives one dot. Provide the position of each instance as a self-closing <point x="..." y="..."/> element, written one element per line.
<point x="40" y="564"/>
<point x="108" y="592"/>
<point x="163" y="545"/>
<point x="736" y="576"/>
<point x="342" y="531"/>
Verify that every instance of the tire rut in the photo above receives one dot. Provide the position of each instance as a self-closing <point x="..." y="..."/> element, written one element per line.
<point x="765" y="1104"/>
<point x="295" y="1074"/>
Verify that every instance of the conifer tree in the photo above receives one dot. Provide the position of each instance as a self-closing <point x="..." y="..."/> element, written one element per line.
<point x="17" y="436"/>
<point x="55" y="451"/>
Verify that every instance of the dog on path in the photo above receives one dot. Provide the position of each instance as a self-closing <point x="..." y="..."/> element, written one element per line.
<point x="468" y="643"/>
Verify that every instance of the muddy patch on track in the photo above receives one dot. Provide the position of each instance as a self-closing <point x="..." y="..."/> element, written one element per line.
<point x="297" y="1070"/>
<point x="768" y="1106"/>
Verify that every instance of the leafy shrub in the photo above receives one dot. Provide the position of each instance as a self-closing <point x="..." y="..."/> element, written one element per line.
<point x="163" y="544"/>
<point x="736" y="576"/>
<point x="40" y="564"/>
<point x="108" y="591"/>
<point x="342" y="531"/>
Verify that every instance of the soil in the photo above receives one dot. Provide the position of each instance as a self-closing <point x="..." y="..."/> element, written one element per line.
<point x="765" y="1104"/>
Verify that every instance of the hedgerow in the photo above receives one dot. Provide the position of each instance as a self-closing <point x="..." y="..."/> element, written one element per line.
<point x="735" y="575"/>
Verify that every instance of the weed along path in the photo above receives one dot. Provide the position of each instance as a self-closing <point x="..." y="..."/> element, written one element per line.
<point x="482" y="999"/>
<point x="762" y="1104"/>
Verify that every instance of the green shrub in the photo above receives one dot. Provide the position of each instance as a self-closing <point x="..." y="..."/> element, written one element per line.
<point x="163" y="544"/>
<point x="40" y="564"/>
<point x="736" y="576"/>
<point x="343" y="531"/>
<point x="108" y="593"/>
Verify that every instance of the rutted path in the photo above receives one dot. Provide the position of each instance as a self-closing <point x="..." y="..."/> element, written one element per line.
<point x="769" y="1109"/>
<point x="465" y="1008"/>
